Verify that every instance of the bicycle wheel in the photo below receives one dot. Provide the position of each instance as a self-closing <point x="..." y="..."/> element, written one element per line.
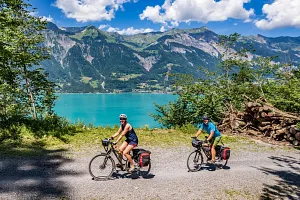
<point x="220" y="162"/>
<point x="195" y="161"/>
<point x="144" y="171"/>
<point x="101" y="166"/>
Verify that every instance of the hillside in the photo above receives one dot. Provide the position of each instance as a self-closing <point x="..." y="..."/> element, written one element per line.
<point x="86" y="59"/>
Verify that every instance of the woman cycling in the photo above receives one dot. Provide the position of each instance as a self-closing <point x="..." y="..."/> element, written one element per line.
<point x="131" y="139"/>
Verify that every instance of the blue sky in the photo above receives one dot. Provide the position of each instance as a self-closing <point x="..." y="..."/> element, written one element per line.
<point x="248" y="17"/>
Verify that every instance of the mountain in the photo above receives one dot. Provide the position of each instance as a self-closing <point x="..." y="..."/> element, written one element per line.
<point x="86" y="59"/>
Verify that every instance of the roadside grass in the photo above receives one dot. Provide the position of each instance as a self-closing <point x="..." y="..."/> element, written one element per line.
<point x="87" y="138"/>
<point x="239" y="194"/>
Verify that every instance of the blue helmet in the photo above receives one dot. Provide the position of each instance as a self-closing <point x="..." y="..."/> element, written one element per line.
<point x="205" y="117"/>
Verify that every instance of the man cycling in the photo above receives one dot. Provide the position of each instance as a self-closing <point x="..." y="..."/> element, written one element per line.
<point x="214" y="135"/>
<point x="131" y="139"/>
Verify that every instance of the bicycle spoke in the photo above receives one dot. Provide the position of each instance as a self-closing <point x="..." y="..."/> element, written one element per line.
<point x="195" y="161"/>
<point x="101" y="167"/>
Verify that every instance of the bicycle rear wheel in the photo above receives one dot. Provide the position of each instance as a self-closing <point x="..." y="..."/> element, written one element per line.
<point x="195" y="161"/>
<point x="101" y="166"/>
<point x="220" y="162"/>
<point x="144" y="171"/>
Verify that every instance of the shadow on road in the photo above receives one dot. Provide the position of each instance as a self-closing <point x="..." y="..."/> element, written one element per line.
<point x="35" y="177"/>
<point x="134" y="175"/>
<point x="288" y="184"/>
<point x="211" y="167"/>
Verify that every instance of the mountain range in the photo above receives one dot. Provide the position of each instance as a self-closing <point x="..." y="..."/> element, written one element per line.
<point x="86" y="59"/>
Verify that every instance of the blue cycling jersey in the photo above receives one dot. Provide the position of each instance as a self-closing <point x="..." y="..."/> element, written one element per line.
<point x="209" y="128"/>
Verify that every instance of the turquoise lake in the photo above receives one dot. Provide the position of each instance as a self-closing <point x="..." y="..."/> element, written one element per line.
<point x="104" y="109"/>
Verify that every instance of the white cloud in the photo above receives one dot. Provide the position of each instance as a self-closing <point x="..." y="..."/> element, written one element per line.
<point x="162" y="29"/>
<point x="35" y="14"/>
<point x="90" y="10"/>
<point x="175" y="11"/>
<point x="103" y="26"/>
<point x="48" y="19"/>
<point x="281" y="13"/>
<point x="129" y="31"/>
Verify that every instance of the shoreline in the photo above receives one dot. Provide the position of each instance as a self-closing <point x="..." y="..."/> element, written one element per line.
<point x="116" y="93"/>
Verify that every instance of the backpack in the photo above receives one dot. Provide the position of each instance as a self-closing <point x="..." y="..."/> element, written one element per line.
<point x="225" y="153"/>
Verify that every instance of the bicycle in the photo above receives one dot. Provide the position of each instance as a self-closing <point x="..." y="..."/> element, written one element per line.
<point x="195" y="159"/>
<point x="102" y="166"/>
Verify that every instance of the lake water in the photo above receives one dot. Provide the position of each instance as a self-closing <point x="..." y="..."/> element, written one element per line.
<point x="104" y="109"/>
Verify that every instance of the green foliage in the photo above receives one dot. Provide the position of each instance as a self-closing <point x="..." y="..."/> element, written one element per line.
<point x="24" y="87"/>
<point x="284" y="92"/>
<point x="20" y="131"/>
<point x="225" y="89"/>
<point x="26" y="95"/>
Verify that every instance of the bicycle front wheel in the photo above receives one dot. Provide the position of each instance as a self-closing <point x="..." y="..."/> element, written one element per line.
<point x="101" y="166"/>
<point x="195" y="161"/>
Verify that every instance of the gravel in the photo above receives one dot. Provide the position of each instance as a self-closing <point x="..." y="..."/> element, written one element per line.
<point x="259" y="173"/>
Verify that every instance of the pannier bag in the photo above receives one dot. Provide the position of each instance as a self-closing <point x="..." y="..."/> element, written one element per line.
<point x="225" y="153"/>
<point x="144" y="158"/>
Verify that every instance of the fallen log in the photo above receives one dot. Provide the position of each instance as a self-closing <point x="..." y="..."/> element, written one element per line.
<point x="297" y="136"/>
<point x="253" y="132"/>
<point x="296" y="143"/>
<point x="292" y="130"/>
<point x="282" y="131"/>
<point x="263" y="128"/>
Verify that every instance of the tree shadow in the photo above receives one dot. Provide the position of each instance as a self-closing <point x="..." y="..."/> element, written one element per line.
<point x="35" y="177"/>
<point x="288" y="184"/>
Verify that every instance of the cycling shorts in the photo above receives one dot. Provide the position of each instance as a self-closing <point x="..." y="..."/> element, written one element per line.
<point x="134" y="144"/>
<point x="215" y="140"/>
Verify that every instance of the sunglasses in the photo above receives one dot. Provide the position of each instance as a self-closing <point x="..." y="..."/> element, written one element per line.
<point x="122" y="118"/>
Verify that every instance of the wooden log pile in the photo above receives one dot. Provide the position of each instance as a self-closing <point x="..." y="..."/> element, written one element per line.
<point x="262" y="119"/>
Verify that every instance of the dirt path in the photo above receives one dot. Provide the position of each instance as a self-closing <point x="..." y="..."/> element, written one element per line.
<point x="255" y="174"/>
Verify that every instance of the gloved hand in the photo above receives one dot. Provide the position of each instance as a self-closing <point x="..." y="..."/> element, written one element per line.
<point x="114" y="143"/>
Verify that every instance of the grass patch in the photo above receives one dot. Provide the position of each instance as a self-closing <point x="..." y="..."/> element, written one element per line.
<point x="129" y="76"/>
<point x="94" y="84"/>
<point x="84" y="138"/>
<point x="239" y="194"/>
<point x="85" y="79"/>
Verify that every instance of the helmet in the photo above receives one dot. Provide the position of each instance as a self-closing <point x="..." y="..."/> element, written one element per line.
<point x="123" y="116"/>
<point x="205" y="117"/>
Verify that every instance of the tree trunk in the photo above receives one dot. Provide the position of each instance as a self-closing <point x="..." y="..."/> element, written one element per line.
<point x="30" y="93"/>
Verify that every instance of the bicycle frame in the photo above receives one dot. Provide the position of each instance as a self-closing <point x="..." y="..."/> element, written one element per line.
<point x="114" y="151"/>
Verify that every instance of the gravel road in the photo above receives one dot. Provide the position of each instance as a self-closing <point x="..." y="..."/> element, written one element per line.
<point x="263" y="172"/>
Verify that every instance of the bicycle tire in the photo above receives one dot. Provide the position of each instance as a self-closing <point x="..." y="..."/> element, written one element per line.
<point x="98" y="164"/>
<point x="144" y="171"/>
<point x="220" y="162"/>
<point x="195" y="161"/>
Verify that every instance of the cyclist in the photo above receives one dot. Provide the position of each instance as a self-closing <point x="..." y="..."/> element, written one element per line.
<point x="214" y="135"/>
<point x="131" y="139"/>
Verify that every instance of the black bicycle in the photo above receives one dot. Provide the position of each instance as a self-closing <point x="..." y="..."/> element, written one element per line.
<point x="102" y="166"/>
<point x="195" y="159"/>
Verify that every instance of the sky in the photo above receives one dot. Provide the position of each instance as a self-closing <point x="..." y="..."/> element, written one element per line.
<point x="272" y="18"/>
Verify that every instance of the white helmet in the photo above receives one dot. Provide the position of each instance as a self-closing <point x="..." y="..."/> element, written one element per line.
<point x="123" y="116"/>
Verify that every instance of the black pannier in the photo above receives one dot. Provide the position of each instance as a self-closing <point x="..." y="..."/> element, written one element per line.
<point x="143" y="156"/>
<point x="196" y="143"/>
